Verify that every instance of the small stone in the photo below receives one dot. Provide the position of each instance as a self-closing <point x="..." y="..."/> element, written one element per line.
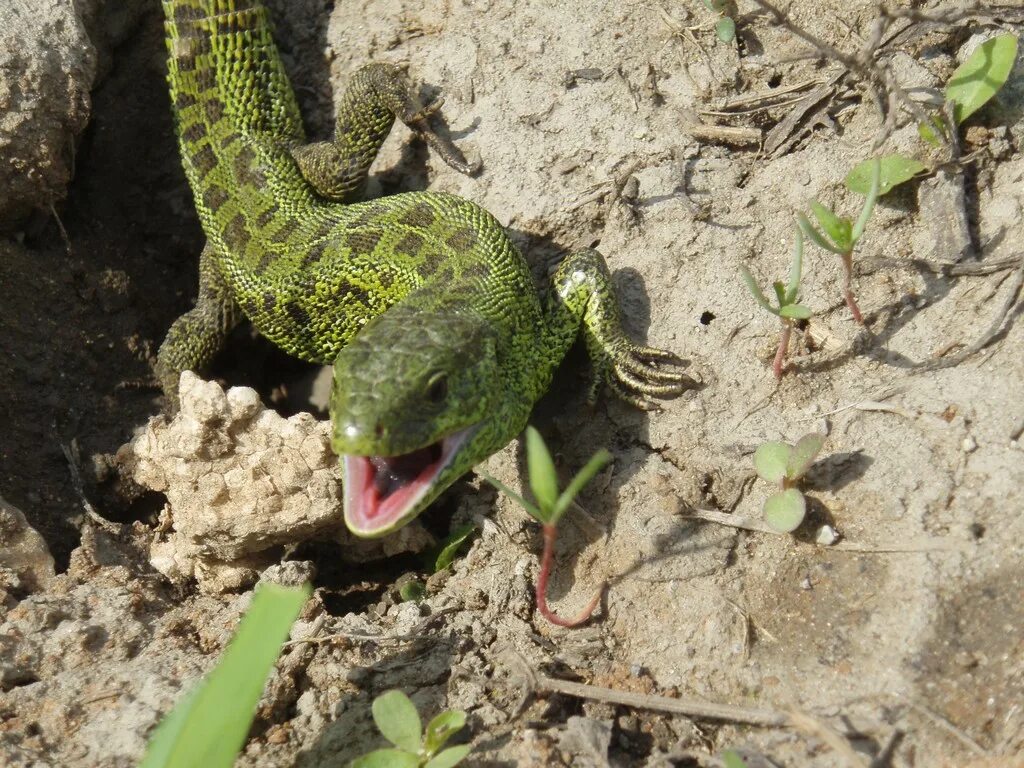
<point x="969" y="444"/>
<point x="244" y="403"/>
<point x="827" y="536"/>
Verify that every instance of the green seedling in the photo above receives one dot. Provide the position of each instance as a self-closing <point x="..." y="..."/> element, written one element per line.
<point x="548" y="510"/>
<point x="725" y="27"/>
<point x="841" y="235"/>
<point x="972" y="85"/>
<point x="399" y="722"/>
<point x="731" y="759"/>
<point x="209" y="725"/>
<point x="444" y="554"/>
<point x="787" y="297"/>
<point x="784" y="465"/>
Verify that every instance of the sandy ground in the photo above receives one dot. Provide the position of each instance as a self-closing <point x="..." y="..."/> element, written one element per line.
<point x="905" y="637"/>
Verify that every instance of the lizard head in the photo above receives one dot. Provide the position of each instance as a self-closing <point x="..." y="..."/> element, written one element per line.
<point x="413" y="397"/>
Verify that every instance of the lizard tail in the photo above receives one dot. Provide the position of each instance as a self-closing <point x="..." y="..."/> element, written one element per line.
<point x="236" y="118"/>
<point x="222" y="58"/>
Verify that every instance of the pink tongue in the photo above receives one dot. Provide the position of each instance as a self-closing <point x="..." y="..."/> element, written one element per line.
<point x="381" y="489"/>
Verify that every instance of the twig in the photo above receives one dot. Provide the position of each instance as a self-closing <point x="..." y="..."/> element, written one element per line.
<point x="948" y="727"/>
<point x="928" y="544"/>
<point x="63" y="232"/>
<point x="810" y="725"/>
<point x="863" y="64"/>
<point x="690" y="707"/>
<point x="70" y="451"/>
<point x="944" y="268"/>
<point x="989" y="336"/>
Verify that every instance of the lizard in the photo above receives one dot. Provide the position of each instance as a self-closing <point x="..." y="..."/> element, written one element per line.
<point x="439" y="339"/>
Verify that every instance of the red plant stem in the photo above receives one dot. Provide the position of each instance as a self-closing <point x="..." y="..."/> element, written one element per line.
<point x="780" y="356"/>
<point x="550" y="533"/>
<point x="847" y="280"/>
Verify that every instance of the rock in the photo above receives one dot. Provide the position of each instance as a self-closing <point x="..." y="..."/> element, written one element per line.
<point x="241" y="483"/>
<point x="23" y="551"/>
<point x="50" y="65"/>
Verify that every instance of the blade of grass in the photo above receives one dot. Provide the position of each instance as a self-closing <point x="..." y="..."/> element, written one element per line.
<point x="584" y="476"/>
<point x="209" y="727"/>
<point x="541" y="469"/>
<point x="869" y="202"/>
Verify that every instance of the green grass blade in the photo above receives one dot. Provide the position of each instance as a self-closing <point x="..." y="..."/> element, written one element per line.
<point x="755" y="290"/>
<point x="543" y="478"/>
<point x="209" y="726"/>
<point x="869" y="202"/>
<point x="980" y="77"/>
<point x="532" y="510"/>
<point x="584" y="476"/>
<point x="796" y="267"/>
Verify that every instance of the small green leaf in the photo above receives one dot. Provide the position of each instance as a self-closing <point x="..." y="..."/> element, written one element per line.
<point x="816" y="236"/>
<point x="770" y="461"/>
<point x="412" y="591"/>
<point x="784" y="511"/>
<point x="445" y="554"/>
<point x="442" y="728"/>
<point x="584" y="476"/>
<point x="543" y="478"/>
<point x="836" y="227"/>
<point x="386" y="758"/>
<point x="932" y="130"/>
<point x="448" y="758"/>
<point x="980" y="77"/>
<point x="795" y="312"/>
<point x="804" y="453"/>
<point x="397" y="719"/>
<point x="780" y="292"/>
<point x="893" y="171"/>
<point x="732" y="760"/>
<point x="726" y="29"/>
<point x="755" y="290"/>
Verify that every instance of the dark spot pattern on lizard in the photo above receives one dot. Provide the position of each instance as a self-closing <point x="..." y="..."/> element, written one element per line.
<point x="421" y="215"/>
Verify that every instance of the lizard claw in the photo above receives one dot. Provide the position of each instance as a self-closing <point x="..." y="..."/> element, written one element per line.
<point x="418" y="122"/>
<point x="634" y="371"/>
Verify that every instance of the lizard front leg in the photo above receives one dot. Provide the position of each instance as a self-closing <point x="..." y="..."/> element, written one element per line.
<point x="196" y="336"/>
<point x="378" y="94"/>
<point x="582" y="299"/>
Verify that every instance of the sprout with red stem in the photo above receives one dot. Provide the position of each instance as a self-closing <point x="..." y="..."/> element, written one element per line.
<point x="548" y="510"/>
<point x="841" y="235"/>
<point x="787" y="296"/>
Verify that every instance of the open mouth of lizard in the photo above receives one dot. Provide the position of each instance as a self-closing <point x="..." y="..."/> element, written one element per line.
<point x="381" y="491"/>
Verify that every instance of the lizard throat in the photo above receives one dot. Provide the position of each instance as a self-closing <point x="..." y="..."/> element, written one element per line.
<point x="381" y="491"/>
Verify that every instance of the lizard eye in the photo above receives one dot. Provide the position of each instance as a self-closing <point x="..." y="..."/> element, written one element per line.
<point x="437" y="388"/>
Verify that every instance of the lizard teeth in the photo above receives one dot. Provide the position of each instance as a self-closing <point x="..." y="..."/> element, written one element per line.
<point x="382" y="492"/>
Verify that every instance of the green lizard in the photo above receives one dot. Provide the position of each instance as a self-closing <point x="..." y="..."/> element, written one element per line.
<point x="439" y="340"/>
